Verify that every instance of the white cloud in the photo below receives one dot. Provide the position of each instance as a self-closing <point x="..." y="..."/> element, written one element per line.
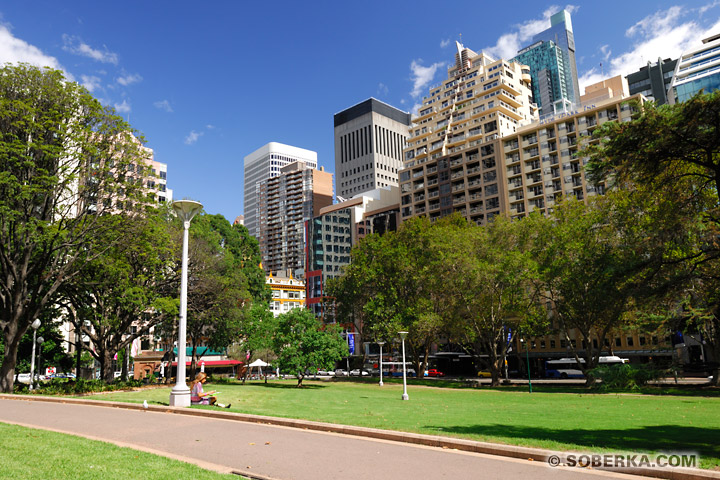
<point x="422" y="76"/>
<point x="210" y="127"/>
<point x="382" y="89"/>
<point x="90" y="82"/>
<point x="163" y="105"/>
<point x="662" y="34"/>
<point x="606" y="52"/>
<point x="707" y="7"/>
<point x="15" y="50"/>
<point x="123" y="107"/>
<point x="193" y="137"/>
<point x="76" y="46"/>
<point x="129" y="79"/>
<point x="444" y="43"/>
<point x="508" y="44"/>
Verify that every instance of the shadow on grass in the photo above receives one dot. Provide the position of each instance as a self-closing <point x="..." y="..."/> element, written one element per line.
<point x="291" y="386"/>
<point x="679" y="438"/>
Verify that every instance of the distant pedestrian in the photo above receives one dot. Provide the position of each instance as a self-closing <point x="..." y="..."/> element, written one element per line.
<point x="199" y="397"/>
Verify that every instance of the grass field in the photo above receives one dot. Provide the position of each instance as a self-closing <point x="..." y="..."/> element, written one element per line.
<point x="566" y="421"/>
<point x="31" y="454"/>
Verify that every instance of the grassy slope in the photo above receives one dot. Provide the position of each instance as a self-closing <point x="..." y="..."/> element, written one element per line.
<point x="569" y="421"/>
<point x="31" y="454"/>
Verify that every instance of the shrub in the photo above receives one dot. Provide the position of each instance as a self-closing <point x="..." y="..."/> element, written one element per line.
<point x="625" y="376"/>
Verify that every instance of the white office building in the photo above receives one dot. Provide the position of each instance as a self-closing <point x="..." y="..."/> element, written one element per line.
<point x="263" y="164"/>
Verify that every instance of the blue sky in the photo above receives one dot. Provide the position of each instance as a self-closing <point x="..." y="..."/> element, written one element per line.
<point x="209" y="82"/>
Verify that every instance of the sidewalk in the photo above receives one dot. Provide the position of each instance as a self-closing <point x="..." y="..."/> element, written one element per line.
<point x="268" y="447"/>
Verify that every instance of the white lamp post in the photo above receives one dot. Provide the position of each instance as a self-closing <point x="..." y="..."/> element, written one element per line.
<point x="40" y="341"/>
<point x="381" y="345"/>
<point x="180" y="394"/>
<point x="404" y="395"/>
<point x="35" y="325"/>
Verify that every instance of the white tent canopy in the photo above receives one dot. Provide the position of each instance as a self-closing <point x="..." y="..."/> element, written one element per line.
<point x="258" y="363"/>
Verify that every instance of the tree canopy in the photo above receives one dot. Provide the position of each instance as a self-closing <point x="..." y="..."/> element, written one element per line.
<point x="61" y="155"/>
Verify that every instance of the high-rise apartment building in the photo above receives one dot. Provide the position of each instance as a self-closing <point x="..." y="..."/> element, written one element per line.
<point x="551" y="58"/>
<point x="284" y="203"/>
<point x="263" y="164"/>
<point x="450" y="160"/>
<point x="541" y="162"/>
<point x="610" y="87"/>
<point x="332" y="234"/>
<point x="653" y="80"/>
<point x="549" y="69"/>
<point x="697" y="69"/>
<point x="369" y="140"/>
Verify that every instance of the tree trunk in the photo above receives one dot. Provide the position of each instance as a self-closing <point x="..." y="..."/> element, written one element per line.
<point x="13" y="334"/>
<point x="106" y="369"/>
<point x="300" y="379"/>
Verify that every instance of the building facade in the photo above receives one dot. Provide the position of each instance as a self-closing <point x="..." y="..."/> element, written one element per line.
<point x="369" y="140"/>
<point x="332" y="234"/>
<point x="653" y="80"/>
<point x="263" y="164"/>
<point x="552" y="84"/>
<point x="561" y="34"/>
<point x="541" y="163"/>
<point x="287" y="293"/>
<point x="697" y="69"/>
<point x="451" y="159"/>
<point x="611" y="87"/>
<point x="284" y="204"/>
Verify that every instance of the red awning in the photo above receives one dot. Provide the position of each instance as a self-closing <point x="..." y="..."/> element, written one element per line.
<point x="214" y="363"/>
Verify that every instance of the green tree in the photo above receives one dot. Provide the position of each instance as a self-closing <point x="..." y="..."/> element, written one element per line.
<point x="256" y="334"/>
<point x="301" y="344"/>
<point x="61" y="154"/>
<point x="123" y="293"/>
<point x="601" y="260"/>
<point x="674" y="152"/>
<point x="218" y="296"/>
<point x="489" y="275"/>
<point x="392" y="285"/>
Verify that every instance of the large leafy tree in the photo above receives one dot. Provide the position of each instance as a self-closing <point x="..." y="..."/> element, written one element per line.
<point x="218" y="290"/>
<point x="123" y="293"/>
<point x="488" y="273"/>
<point x="393" y="284"/>
<point x="61" y="154"/>
<point x="301" y="343"/>
<point x="602" y="259"/>
<point x="674" y="152"/>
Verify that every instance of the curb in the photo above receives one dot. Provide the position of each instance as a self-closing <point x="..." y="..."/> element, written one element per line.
<point x="497" y="449"/>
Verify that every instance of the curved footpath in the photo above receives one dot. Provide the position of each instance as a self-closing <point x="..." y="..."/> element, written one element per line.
<point x="283" y="449"/>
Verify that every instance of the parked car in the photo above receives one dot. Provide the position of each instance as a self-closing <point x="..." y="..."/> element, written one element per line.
<point x="433" y="372"/>
<point x="357" y="373"/>
<point x="484" y="374"/>
<point x="339" y="372"/>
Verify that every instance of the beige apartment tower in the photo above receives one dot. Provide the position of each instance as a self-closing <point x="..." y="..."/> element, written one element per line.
<point x="451" y="161"/>
<point x="285" y="203"/>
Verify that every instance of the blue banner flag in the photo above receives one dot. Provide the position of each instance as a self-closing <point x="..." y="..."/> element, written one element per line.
<point x="351" y="343"/>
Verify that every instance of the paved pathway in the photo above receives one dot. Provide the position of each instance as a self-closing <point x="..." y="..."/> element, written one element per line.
<point x="275" y="452"/>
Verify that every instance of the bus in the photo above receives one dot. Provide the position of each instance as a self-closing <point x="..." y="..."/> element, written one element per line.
<point x="568" y="367"/>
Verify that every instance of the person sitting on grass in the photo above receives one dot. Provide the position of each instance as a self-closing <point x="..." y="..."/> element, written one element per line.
<point x="198" y="397"/>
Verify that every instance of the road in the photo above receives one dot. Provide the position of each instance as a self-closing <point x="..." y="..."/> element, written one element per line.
<point x="275" y="452"/>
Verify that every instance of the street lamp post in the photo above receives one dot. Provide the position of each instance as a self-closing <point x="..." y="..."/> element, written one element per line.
<point x="405" y="394"/>
<point x="40" y="341"/>
<point x="35" y="325"/>
<point x="381" y="345"/>
<point x="180" y="394"/>
<point x="527" y="359"/>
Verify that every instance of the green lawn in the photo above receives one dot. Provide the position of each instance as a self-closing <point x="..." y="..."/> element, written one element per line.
<point x="28" y="453"/>
<point x="567" y="421"/>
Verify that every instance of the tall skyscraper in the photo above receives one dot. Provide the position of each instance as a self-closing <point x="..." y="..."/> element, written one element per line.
<point x="697" y="69"/>
<point x="263" y="164"/>
<point x="451" y="162"/>
<point x="551" y="58"/>
<point x="369" y="140"/>
<point x="284" y="204"/>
